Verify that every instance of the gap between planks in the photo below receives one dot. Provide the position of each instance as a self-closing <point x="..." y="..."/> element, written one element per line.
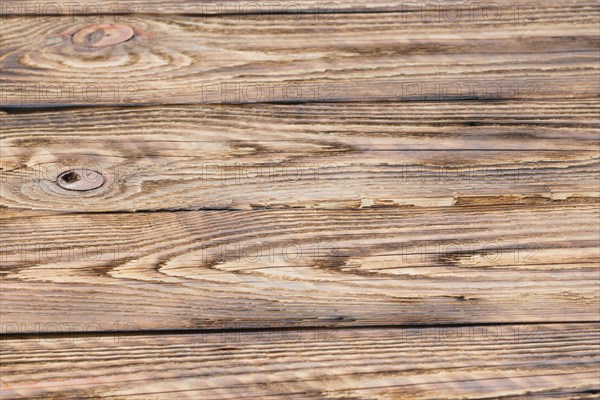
<point x="11" y="331"/>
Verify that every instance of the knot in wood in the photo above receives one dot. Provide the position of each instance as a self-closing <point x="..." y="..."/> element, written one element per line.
<point x="102" y="35"/>
<point x="80" y="180"/>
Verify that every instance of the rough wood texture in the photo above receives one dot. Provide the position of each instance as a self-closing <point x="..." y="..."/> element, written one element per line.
<point x="236" y="9"/>
<point x="419" y="219"/>
<point x="182" y="59"/>
<point x="304" y="156"/>
<point x="534" y="361"/>
<point x="208" y="269"/>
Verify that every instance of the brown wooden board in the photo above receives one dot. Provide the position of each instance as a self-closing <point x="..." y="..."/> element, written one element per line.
<point x="357" y="200"/>
<point x="362" y="57"/>
<point x="208" y="269"/>
<point x="459" y="11"/>
<point x="470" y="362"/>
<point x="353" y="155"/>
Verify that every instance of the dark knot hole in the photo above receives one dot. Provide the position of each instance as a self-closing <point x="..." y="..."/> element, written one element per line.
<point x="71" y="177"/>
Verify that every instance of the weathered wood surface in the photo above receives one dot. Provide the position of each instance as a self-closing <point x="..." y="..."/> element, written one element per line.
<point x="182" y="59"/>
<point x="303" y="267"/>
<point x="532" y="361"/>
<point x="304" y="156"/>
<point x="419" y="220"/>
<point x="237" y="9"/>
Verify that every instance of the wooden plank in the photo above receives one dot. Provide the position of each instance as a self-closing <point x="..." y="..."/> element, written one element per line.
<point x="180" y="270"/>
<point x="422" y="222"/>
<point x="182" y="59"/>
<point x="304" y="156"/>
<point x="515" y="361"/>
<point x="469" y="11"/>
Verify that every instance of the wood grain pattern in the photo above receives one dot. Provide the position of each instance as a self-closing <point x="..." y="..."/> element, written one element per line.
<point x="284" y="267"/>
<point x="182" y="59"/>
<point x="235" y="9"/>
<point x="305" y="156"/>
<point x="383" y="200"/>
<point x="539" y="361"/>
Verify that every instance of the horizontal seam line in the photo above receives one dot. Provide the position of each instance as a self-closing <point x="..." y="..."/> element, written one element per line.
<point x="329" y="326"/>
<point x="45" y="107"/>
